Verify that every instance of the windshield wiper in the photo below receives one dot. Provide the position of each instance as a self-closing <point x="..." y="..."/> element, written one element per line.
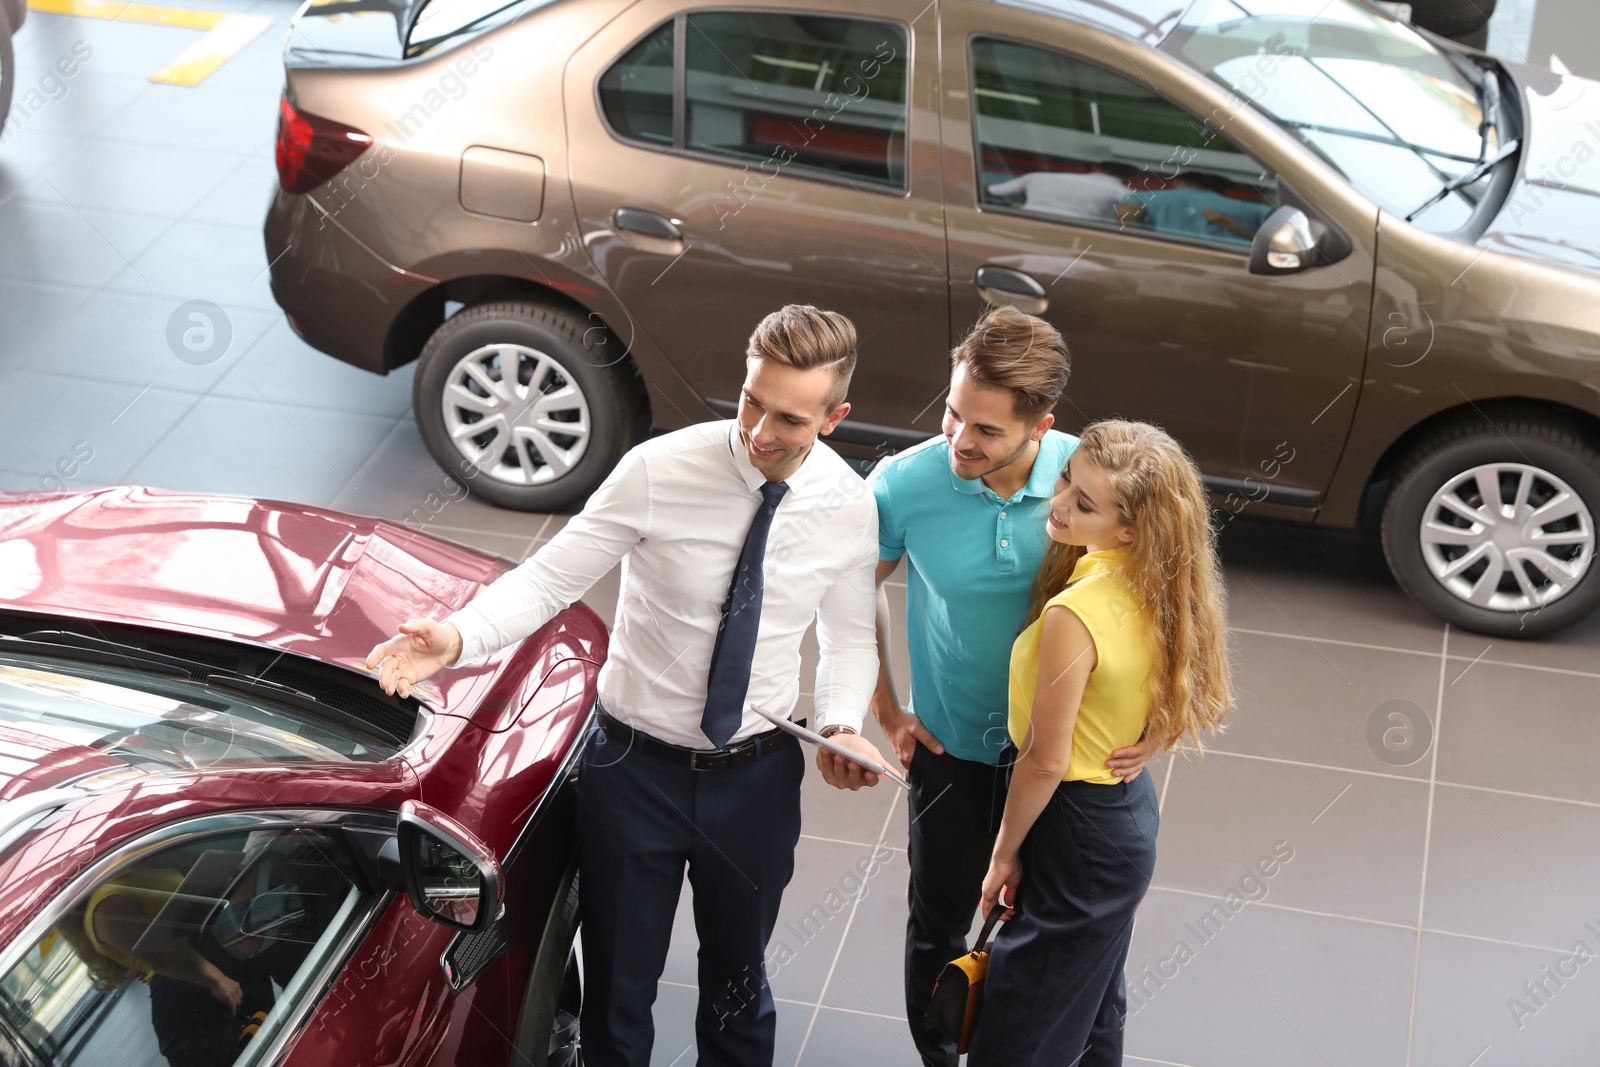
<point x="1464" y="180"/>
<point x="261" y="687"/>
<point x="1490" y="87"/>
<point x="289" y="697"/>
<point x="67" y="645"/>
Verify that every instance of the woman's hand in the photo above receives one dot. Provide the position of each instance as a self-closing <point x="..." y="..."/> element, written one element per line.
<point x="1000" y="884"/>
<point x="1126" y="763"/>
<point x="227" y="990"/>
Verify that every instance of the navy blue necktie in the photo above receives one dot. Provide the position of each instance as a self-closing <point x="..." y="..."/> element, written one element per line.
<point x="729" y="678"/>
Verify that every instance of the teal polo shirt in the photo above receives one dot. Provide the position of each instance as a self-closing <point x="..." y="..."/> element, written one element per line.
<point x="971" y="558"/>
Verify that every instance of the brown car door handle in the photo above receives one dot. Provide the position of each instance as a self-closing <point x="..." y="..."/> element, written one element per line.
<point x="638" y="220"/>
<point x="1002" y="285"/>
<point x="648" y="231"/>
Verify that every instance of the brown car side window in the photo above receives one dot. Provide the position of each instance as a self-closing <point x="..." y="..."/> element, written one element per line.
<point x="784" y="91"/>
<point x="813" y="92"/>
<point x="636" y="90"/>
<point x="1065" y="139"/>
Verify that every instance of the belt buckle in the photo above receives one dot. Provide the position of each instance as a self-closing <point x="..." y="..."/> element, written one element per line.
<point x="694" y="760"/>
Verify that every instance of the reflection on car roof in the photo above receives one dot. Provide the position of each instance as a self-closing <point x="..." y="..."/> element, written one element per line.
<point x="1146" y="21"/>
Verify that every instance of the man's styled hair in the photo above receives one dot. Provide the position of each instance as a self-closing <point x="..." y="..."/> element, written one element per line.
<point x="1013" y="350"/>
<point x="806" y="338"/>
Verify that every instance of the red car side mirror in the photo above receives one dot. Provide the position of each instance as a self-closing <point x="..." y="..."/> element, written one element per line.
<point x="451" y="877"/>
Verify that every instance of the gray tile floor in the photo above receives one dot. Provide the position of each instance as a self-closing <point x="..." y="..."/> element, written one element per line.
<point x="1430" y="903"/>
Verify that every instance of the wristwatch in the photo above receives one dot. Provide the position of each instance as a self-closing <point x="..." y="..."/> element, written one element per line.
<point x="836" y="728"/>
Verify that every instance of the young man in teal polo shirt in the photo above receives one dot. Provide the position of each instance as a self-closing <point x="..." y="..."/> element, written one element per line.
<point x="967" y="511"/>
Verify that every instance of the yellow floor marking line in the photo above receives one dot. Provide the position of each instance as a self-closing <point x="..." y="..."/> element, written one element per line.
<point x="221" y="43"/>
<point x="225" y="37"/>
<point x="131" y="12"/>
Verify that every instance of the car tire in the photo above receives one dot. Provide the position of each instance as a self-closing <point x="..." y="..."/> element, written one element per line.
<point x="1466" y="21"/>
<point x="548" y="1034"/>
<point x="1442" y="483"/>
<point x="525" y="458"/>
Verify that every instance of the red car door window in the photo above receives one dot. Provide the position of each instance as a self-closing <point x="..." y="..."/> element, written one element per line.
<point x="192" y="954"/>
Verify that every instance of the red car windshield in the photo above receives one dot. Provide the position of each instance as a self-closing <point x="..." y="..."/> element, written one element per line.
<point x="51" y="711"/>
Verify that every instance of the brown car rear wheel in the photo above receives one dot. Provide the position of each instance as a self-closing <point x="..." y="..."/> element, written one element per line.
<point x="529" y="406"/>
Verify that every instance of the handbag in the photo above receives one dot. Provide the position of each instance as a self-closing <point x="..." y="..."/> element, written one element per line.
<point x="958" y="994"/>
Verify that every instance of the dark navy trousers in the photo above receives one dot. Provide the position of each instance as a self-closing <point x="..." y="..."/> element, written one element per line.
<point x="641" y="818"/>
<point x="1055" y="995"/>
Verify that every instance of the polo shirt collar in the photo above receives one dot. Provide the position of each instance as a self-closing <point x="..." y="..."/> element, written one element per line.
<point x="973" y="486"/>
<point x="1041" y="480"/>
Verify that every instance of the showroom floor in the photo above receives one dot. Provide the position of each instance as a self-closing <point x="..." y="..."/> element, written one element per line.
<point x="1419" y="897"/>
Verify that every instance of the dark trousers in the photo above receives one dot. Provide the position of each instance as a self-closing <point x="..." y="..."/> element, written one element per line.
<point x="1055" y="993"/>
<point x="955" y="810"/>
<point x="194" y="1028"/>
<point x="641" y="818"/>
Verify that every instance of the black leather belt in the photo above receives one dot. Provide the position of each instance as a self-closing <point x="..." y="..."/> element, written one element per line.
<point x="699" y="759"/>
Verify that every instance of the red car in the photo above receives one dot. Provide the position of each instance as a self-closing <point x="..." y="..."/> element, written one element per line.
<point x="222" y="843"/>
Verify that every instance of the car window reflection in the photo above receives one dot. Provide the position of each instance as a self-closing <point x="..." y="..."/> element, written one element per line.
<point x="187" y="958"/>
<point x="1379" y="101"/>
<point x="1063" y="138"/>
<point x="1197" y="204"/>
<point x="782" y="91"/>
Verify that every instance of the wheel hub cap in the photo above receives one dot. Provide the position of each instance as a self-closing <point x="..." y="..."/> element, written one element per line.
<point x="1507" y="537"/>
<point x="515" y="414"/>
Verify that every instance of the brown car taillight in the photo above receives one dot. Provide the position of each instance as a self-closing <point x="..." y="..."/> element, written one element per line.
<point x="312" y="149"/>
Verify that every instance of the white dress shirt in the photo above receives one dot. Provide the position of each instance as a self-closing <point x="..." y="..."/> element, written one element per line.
<point x="675" y="511"/>
<point x="1090" y="195"/>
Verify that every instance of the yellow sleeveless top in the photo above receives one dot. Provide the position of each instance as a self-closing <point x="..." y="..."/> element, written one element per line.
<point x="148" y="890"/>
<point x="1116" y="698"/>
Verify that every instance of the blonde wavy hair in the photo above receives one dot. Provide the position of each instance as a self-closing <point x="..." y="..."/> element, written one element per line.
<point x="1171" y="568"/>
<point x="105" y="973"/>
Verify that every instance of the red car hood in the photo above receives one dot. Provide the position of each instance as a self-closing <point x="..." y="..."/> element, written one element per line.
<point x="320" y="583"/>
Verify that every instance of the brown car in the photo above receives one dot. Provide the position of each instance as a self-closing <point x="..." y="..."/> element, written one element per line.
<point x="1351" y="266"/>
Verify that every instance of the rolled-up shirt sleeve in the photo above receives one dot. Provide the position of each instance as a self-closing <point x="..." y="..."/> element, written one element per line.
<point x="523" y="599"/>
<point x="847" y="669"/>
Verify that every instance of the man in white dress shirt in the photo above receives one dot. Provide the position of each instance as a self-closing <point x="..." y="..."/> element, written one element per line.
<point x="1093" y="194"/>
<point x="732" y="536"/>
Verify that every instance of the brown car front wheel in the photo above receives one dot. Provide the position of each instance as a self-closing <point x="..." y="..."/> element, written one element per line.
<point x="529" y="406"/>
<point x="1492" y="527"/>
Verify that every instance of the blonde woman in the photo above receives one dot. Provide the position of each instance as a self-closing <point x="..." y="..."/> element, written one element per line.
<point x="200" y="1015"/>
<point x="1127" y="632"/>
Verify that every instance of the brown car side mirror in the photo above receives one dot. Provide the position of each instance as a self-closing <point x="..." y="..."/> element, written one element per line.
<point x="1284" y="244"/>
